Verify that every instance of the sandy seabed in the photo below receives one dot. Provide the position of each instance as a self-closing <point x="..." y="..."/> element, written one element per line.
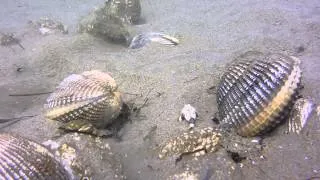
<point x="212" y="34"/>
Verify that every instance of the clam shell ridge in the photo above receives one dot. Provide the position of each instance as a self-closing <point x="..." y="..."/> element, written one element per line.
<point x="21" y="158"/>
<point x="253" y="96"/>
<point x="91" y="96"/>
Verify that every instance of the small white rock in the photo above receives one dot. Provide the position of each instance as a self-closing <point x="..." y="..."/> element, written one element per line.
<point x="189" y="114"/>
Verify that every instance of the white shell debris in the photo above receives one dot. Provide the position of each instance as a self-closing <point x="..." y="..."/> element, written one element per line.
<point x="189" y="114"/>
<point x="51" y="144"/>
<point x="141" y="40"/>
<point x="300" y="114"/>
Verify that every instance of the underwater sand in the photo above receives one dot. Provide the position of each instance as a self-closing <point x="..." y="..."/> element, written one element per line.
<point x="212" y="34"/>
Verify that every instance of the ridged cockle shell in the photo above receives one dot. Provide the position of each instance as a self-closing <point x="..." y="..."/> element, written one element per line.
<point x="21" y="158"/>
<point x="254" y="95"/>
<point x="91" y="96"/>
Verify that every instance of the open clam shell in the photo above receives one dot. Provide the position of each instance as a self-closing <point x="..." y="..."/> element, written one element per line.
<point x="21" y="158"/>
<point x="253" y="96"/>
<point x="91" y="96"/>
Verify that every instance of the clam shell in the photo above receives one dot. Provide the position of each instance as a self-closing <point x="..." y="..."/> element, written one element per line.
<point x="253" y="96"/>
<point x="91" y="96"/>
<point x="300" y="115"/>
<point x="21" y="158"/>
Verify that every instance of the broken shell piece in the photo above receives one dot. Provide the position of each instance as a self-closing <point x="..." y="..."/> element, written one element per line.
<point x="300" y="115"/>
<point x="206" y="140"/>
<point x="189" y="114"/>
<point x="141" y="40"/>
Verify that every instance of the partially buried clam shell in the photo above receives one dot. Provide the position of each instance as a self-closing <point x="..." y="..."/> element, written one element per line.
<point x="255" y="95"/>
<point x="112" y="20"/>
<point x="21" y="158"/>
<point x="91" y="96"/>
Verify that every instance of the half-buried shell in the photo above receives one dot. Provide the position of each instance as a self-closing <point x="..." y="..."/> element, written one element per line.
<point x="21" y="158"/>
<point x="255" y="95"/>
<point x="91" y="97"/>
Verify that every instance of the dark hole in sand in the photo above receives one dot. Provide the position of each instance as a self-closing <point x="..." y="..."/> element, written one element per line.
<point x="236" y="157"/>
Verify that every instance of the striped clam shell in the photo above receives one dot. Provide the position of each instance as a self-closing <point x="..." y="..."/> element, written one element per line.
<point x="91" y="96"/>
<point x="254" y="95"/>
<point x="21" y="158"/>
